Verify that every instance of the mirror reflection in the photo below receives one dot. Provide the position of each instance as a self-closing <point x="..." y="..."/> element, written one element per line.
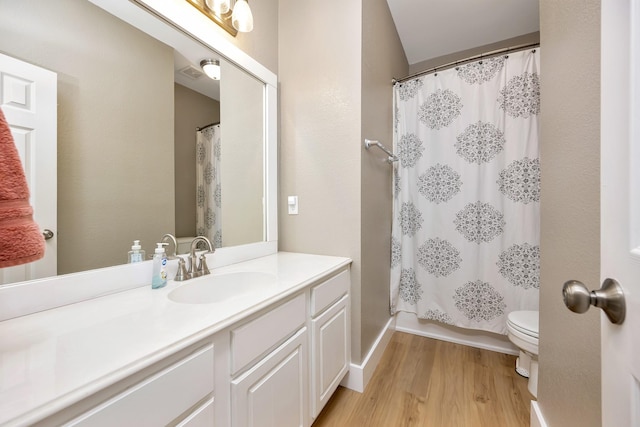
<point x="131" y="162"/>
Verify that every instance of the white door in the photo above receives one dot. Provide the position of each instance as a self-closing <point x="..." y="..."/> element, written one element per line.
<point x="28" y="98"/>
<point x="620" y="207"/>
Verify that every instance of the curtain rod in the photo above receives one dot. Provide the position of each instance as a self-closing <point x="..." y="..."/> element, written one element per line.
<point x="465" y="61"/>
<point x="207" y="126"/>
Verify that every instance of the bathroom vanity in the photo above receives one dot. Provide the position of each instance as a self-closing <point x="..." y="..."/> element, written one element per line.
<point x="260" y="342"/>
<point x="263" y="340"/>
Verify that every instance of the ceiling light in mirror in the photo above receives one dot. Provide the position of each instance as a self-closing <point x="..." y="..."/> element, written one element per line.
<point x="211" y="68"/>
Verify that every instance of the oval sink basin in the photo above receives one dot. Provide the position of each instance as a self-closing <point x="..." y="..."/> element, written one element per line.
<point x="222" y="287"/>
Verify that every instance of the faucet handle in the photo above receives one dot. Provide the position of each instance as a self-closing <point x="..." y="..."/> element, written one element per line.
<point x="202" y="265"/>
<point x="182" y="273"/>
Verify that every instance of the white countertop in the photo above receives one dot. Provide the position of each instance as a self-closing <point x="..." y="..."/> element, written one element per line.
<point x="52" y="359"/>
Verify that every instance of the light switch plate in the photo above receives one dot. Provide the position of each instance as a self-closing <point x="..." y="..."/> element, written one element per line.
<point x="292" y="205"/>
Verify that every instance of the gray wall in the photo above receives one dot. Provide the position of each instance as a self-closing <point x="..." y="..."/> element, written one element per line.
<point x="320" y="51"/>
<point x="382" y="59"/>
<point x="335" y="89"/>
<point x="192" y="110"/>
<point x="569" y="383"/>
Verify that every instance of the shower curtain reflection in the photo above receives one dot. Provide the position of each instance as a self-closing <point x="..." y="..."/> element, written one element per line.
<point x="208" y="186"/>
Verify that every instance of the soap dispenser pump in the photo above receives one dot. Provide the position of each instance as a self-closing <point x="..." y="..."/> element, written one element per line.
<point x="136" y="254"/>
<point x="159" y="278"/>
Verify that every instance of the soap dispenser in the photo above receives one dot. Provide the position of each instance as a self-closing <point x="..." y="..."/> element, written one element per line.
<point x="159" y="278"/>
<point x="136" y="254"/>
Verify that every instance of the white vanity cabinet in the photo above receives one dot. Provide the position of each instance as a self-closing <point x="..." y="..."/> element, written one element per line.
<point x="269" y="367"/>
<point x="330" y="338"/>
<point x="274" y="363"/>
<point x="287" y="362"/>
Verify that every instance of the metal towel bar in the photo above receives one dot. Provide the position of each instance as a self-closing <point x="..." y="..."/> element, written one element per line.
<point x="392" y="157"/>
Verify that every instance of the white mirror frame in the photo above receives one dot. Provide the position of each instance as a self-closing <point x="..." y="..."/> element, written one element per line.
<point x="28" y="297"/>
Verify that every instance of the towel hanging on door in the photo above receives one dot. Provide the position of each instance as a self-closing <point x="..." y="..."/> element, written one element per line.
<point x="20" y="237"/>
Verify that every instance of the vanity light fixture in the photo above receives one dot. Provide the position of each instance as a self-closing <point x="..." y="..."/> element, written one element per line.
<point x="232" y="15"/>
<point x="211" y="68"/>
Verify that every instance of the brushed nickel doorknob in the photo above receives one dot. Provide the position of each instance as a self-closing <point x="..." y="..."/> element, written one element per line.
<point x="48" y="234"/>
<point x="609" y="298"/>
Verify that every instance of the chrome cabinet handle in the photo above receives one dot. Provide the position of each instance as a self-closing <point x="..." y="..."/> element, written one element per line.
<point x="48" y="234"/>
<point x="609" y="298"/>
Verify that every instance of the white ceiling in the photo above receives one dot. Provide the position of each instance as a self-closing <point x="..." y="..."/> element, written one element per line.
<point x="432" y="28"/>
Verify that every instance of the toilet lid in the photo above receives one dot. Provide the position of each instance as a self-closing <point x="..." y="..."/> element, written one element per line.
<point x="524" y="321"/>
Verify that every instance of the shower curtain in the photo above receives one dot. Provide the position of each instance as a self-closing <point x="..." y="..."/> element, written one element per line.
<point x="466" y="193"/>
<point x="208" y="189"/>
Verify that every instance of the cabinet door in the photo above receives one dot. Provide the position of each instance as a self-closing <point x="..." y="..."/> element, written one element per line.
<point x="273" y="393"/>
<point x="330" y="352"/>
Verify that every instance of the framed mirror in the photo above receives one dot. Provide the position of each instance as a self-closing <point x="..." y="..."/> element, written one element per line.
<point x="130" y="97"/>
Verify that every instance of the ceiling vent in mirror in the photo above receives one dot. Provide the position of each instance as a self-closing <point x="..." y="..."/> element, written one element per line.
<point x="232" y="15"/>
<point x="192" y="72"/>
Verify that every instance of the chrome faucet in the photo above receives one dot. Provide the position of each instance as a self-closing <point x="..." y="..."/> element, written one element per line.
<point x="201" y="269"/>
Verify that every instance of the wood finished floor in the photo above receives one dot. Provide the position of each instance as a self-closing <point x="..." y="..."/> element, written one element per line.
<point x="431" y="383"/>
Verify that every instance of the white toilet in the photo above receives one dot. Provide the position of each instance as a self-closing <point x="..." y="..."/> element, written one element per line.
<point x="522" y="330"/>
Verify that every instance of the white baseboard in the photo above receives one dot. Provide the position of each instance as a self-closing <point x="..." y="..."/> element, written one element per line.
<point x="409" y="323"/>
<point x="359" y="375"/>
<point x="537" y="420"/>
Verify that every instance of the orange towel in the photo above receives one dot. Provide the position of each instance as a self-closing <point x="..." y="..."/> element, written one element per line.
<point x="20" y="238"/>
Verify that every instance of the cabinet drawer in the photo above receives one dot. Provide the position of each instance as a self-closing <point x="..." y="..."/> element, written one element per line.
<point x="159" y="399"/>
<point x="257" y="337"/>
<point x="326" y="293"/>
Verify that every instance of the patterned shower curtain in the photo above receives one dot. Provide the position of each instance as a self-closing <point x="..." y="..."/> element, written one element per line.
<point x="465" y="238"/>
<point x="208" y="189"/>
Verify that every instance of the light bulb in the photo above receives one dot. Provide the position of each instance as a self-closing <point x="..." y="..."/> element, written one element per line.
<point x="242" y="19"/>
<point x="219" y="7"/>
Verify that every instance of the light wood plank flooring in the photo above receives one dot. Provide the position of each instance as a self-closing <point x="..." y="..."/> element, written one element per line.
<point x="426" y="382"/>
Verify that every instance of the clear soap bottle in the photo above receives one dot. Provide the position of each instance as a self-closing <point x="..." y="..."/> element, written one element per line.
<point x="136" y="254"/>
<point x="159" y="278"/>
